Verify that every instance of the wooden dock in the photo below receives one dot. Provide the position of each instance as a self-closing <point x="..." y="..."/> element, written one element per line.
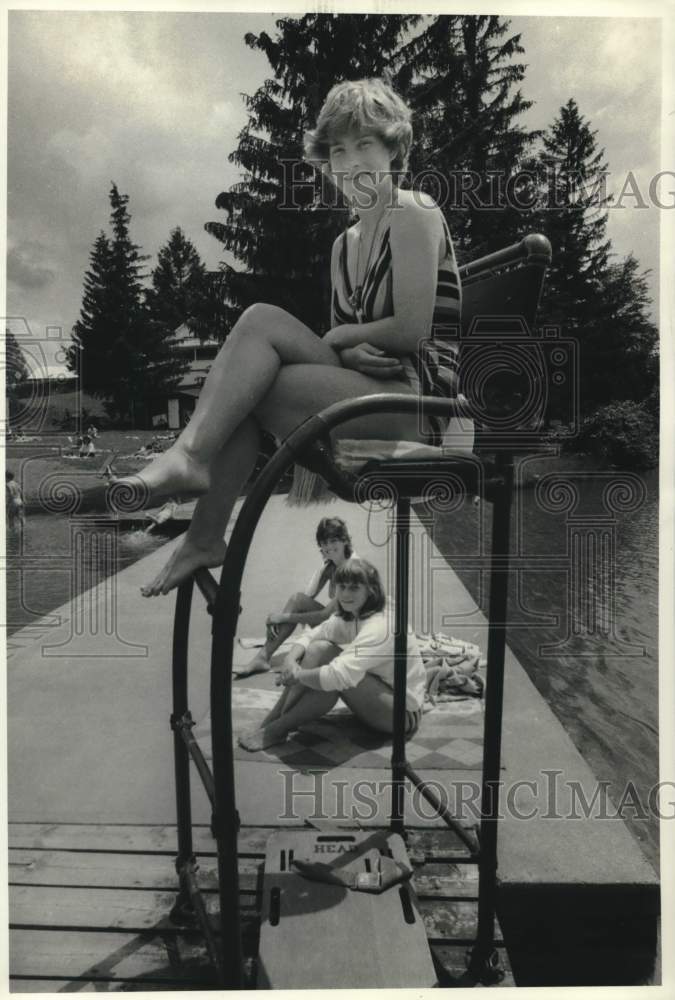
<point x="89" y="907"/>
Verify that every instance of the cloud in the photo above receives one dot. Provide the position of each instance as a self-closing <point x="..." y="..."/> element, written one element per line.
<point x="25" y="269"/>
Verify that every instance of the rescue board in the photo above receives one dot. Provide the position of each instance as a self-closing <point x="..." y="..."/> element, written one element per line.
<point x="315" y="935"/>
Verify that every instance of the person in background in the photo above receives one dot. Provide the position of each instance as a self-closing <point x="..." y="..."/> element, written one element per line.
<point x="303" y="608"/>
<point x="14" y="505"/>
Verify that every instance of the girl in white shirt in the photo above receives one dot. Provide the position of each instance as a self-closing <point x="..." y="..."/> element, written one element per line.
<point x="349" y="656"/>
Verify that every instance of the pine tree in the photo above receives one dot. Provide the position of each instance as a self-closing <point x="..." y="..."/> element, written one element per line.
<point x="125" y="355"/>
<point x="94" y="331"/>
<point x="603" y="304"/>
<point x="178" y="280"/>
<point x="572" y="213"/>
<point x="620" y="343"/>
<point x="277" y="226"/>
<point x="462" y="79"/>
<point x="574" y="217"/>
<point x="16" y="368"/>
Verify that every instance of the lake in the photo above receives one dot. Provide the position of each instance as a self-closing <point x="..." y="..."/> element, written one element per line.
<point x="591" y="574"/>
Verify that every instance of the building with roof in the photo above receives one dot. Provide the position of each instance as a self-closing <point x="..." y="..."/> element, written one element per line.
<point x="180" y="402"/>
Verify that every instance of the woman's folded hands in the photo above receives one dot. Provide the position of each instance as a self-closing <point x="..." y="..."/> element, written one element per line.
<point x="371" y="360"/>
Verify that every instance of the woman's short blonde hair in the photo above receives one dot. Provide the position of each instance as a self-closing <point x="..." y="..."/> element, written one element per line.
<point x="362" y="105"/>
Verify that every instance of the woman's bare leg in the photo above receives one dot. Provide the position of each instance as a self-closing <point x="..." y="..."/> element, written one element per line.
<point x="261" y="341"/>
<point x="372" y="703"/>
<point x="261" y="661"/>
<point x="298" y="707"/>
<point x="297" y="392"/>
<point x="203" y="544"/>
<point x="301" y="390"/>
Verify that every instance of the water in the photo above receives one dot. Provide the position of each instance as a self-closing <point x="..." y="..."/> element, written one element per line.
<point x="603" y="690"/>
<point x="41" y="575"/>
<point x="601" y="682"/>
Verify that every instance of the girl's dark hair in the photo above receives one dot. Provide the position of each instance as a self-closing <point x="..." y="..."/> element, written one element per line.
<point x="361" y="571"/>
<point x="334" y="528"/>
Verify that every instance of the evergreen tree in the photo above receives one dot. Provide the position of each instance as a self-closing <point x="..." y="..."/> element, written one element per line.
<point x="604" y="305"/>
<point x="460" y="76"/>
<point x="620" y="343"/>
<point x="94" y="331"/>
<point x="178" y="279"/>
<point x="16" y="368"/>
<point x="277" y="226"/>
<point x="126" y="358"/>
<point x="574" y="217"/>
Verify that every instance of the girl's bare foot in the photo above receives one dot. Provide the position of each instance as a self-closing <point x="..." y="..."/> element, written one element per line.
<point x="260" y="739"/>
<point x="258" y="665"/>
<point x="172" y="474"/>
<point x="187" y="558"/>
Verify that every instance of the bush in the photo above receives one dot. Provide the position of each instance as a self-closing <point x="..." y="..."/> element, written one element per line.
<point x="623" y="433"/>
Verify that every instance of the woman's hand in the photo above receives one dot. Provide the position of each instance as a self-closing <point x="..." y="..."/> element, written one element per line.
<point x="371" y="360"/>
<point x="289" y="672"/>
<point x="277" y="618"/>
<point x="335" y="337"/>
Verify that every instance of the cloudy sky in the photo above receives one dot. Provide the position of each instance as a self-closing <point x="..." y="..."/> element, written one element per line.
<point x="153" y="102"/>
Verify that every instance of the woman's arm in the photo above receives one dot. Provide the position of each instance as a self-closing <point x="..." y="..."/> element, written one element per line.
<point x="311" y="618"/>
<point x="373" y="644"/>
<point x="310" y="678"/>
<point x="416" y="232"/>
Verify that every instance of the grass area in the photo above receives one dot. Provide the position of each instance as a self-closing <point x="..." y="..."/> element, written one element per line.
<point x="48" y="463"/>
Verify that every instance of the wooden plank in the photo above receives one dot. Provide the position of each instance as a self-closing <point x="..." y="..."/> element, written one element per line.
<point x="430" y="844"/>
<point x="443" y="888"/>
<point x="423" y="843"/>
<point x="17" y="985"/>
<point x="103" y="909"/>
<point x="109" y="956"/>
<point x="452" y="920"/>
<point x="132" y="871"/>
<point x="371" y="940"/>
<point x="138" y="839"/>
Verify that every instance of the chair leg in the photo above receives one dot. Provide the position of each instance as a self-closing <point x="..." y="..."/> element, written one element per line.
<point x="482" y="962"/>
<point x="180" y="709"/>
<point x="398" y="758"/>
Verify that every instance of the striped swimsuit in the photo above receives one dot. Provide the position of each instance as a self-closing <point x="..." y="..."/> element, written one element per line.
<point x="433" y="369"/>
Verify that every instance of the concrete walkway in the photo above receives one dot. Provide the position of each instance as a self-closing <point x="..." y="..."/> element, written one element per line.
<point x="89" y="703"/>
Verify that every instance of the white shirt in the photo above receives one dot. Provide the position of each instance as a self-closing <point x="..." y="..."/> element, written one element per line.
<point x="367" y="647"/>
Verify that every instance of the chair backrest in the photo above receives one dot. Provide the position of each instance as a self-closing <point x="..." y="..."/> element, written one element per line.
<point x="504" y="363"/>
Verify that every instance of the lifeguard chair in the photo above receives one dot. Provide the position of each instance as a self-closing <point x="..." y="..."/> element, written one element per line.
<point x="501" y="293"/>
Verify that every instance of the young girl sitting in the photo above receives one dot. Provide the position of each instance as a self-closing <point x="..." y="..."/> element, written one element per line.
<point x="394" y="280"/>
<point x="349" y="656"/>
<point x="302" y="608"/>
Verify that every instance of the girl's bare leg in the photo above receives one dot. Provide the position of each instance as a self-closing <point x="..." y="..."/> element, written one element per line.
<point x="372" y="703"/>
<point x="261" y="341"/>
<point x="261" y="661"/>
<point x="299" y="706"/>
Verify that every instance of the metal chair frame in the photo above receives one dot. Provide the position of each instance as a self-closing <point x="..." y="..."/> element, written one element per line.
<point x="489" y="478"/>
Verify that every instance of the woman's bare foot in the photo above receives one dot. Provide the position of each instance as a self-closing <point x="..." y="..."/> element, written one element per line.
<point x="187" y="558"/>
<point x="260" y="739"/>
<point x="258" y="665"/>
<point x="172" y="474"/>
